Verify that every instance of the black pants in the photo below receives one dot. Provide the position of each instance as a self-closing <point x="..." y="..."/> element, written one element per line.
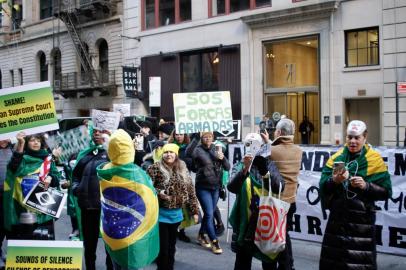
<point x="2" y="230"/>
<point x="167" y="240"/>
<point x="243" y="261"/>
<point x="285" y="258"/>
<point x="90" y="229"/>
<point x="284" y="261"/>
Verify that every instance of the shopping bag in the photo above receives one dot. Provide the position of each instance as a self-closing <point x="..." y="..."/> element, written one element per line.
<point x="270" y="234"/>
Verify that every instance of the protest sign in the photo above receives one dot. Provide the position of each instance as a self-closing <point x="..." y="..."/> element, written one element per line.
<point x="155" y="91"/>
<point x="124" y="109"/>
<point x="40" y="255"/>
<point x="29" y="108"/>
<point x="103" y="120"/>
<point x="202" y="111"/>
<point x="309" y="220"/>
<point x="233" y="134"/>
<point x="49" y="202"/>
<point x="71" y="141"/>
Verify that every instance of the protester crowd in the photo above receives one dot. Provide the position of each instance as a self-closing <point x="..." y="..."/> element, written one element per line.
<point x="136" y="190"/>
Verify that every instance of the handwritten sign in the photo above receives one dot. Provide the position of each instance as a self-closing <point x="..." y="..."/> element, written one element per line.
<point x="103" y="120"/>
<point x="203" y="111"/>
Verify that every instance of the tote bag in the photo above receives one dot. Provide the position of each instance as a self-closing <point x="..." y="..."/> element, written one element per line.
<point x="270" y="234"/>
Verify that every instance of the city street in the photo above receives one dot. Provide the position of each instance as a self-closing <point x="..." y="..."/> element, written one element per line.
<point x="193" y="256"/>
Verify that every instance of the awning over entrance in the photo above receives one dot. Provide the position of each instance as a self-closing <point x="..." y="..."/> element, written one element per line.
<point x="296" y="14"/>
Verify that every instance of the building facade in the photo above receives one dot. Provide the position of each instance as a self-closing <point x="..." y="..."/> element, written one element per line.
<point x="329" y="61"/>
<point x="75" y="44"/>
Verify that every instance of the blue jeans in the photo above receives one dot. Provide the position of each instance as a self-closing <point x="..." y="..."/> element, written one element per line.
<point x="208" y="200"/>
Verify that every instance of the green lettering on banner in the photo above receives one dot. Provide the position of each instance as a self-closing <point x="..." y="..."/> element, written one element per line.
<point x="217" y="98"/>
<point x="191" y="99"/>
<point x="179" y="113"/>
<point x="204" y="99"/>
<point x="203" y="111"/>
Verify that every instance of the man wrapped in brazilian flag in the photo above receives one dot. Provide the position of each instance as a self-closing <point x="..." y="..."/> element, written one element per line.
<point x="129" y="207"/>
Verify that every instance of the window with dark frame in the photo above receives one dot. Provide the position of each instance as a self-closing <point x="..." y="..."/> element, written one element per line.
<point x="45" y="9"/>
<point x="12" y="77"/>
<point x="16" y="13"/>
<point x="104" y="61"/>
<point x="200" y="71"/>
<point x="362" y="47"/>
<point x="43" y="67"/>
<point x="223" y="7"/>
<point x="158" y="13"/>
<point x="20" y="75"/>
<point x="57" y="64"/>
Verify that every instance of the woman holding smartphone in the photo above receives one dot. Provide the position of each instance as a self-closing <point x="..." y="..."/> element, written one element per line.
<point x="210" y="164"/>
<point x="352" y="180"/>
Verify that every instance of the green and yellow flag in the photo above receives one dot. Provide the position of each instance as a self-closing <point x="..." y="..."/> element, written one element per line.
<point x="129" y="223"/>
<point x="369" y="165"/>
<point x="241" y="213"/>
<point x="18" y="184"/>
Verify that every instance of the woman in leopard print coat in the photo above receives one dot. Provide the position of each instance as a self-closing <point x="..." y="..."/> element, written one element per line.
<point x="175" y="189"/>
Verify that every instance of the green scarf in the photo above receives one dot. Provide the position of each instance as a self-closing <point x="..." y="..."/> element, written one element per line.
<point x="241" y="213"/>
<point x="12" y="200"/>
<point x="368" y="164"/>
<point x="127" y="194"/>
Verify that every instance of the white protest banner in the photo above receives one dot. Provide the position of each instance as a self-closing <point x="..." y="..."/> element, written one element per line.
<point x="155" y="91"/>
<point x="29" y="108"/>
<point x="309" y="221"/>
<point x="202" y="111"/>
<point x="103" y="120"/>
<point x="49" y="202"/>
<point x="123" y="109"/>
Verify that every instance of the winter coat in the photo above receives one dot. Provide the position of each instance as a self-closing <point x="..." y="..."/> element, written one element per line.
<point x="287" y="157"/>
<point x="244" y="215"/>
<point x="349" y="240"/>
<point x="85" y="182"/>
<point x="208" y="175"/>
<point x="178" y="186"/>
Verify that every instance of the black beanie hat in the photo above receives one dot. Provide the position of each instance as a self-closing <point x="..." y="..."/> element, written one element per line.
<point x="166" y="128"/>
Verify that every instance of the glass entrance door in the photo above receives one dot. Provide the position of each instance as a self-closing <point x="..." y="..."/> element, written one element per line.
<point x="297" y="106"/>
<point x="291" y="84"/>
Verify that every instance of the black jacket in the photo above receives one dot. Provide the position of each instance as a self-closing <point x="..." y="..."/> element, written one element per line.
<point x="209" y="167"/>
<point x="85" y="181"/>
<point x="349" y="240"/>
<point x="238" y="177"/>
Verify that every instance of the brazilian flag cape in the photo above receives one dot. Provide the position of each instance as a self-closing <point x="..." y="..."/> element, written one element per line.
<point x="18" y="184"/>
<point x="129" y="223"/>
<point x="368" y="164"/>
<point x="241" y="213"/>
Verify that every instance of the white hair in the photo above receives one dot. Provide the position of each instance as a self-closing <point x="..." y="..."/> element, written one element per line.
<point x="286" y="126"/>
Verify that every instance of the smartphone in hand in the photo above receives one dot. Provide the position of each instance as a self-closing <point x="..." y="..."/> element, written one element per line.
<point x="338" y="166"/>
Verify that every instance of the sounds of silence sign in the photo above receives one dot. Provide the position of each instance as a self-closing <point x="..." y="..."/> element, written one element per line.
<point x="202" y="111"/>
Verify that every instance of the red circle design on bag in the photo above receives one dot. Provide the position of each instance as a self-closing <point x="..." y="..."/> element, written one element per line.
<point x="282" y="228"/>
<point x="268" y="223"/>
